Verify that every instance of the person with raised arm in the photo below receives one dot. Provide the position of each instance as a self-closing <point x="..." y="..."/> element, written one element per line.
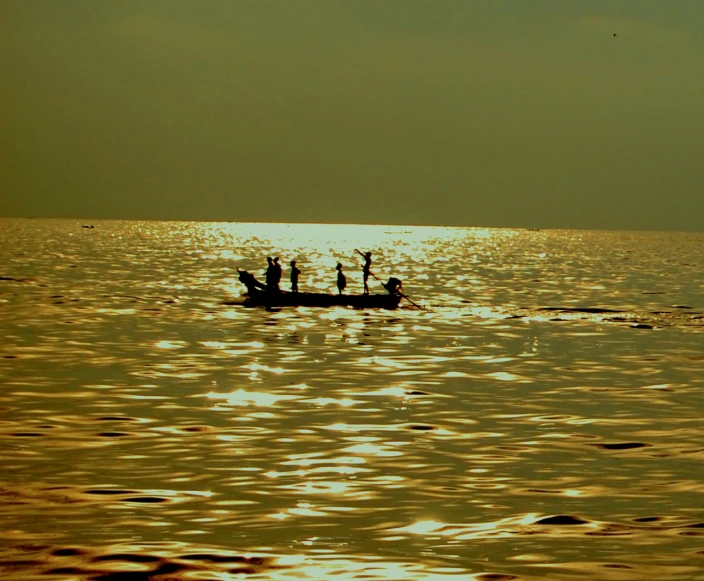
<point x="366" y="269"/>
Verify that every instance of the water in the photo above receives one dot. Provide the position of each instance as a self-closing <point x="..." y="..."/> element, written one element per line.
<point x="542" y="419"/>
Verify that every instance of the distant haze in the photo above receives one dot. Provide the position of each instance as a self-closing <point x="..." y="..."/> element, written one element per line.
<point x="447" y="112"/>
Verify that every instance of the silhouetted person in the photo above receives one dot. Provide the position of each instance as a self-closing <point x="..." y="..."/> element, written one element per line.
<point x="249" y="281"/>
<point x="341" y="280"/>
<point x="270" y="276"/>
<point x="278" y="272"/>
<point x="366" y="270"/>
<point x="394" y="286"/>
<point x="294" y="277"/>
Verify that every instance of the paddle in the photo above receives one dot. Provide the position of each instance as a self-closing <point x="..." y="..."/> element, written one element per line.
<point x="405" y="296"/>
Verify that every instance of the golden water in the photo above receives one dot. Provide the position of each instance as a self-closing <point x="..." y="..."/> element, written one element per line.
<point x="150" y="431"/>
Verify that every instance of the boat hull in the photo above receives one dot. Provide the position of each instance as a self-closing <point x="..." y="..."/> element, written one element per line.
<point x="258" y="298"/>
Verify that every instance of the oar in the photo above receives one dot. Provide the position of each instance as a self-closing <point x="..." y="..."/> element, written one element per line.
<point x="405" y="296"/>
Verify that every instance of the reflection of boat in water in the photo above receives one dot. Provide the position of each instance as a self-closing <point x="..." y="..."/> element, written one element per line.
<point x="258" y="296"/>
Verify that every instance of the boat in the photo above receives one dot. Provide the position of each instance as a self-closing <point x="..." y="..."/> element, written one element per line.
<point x="259" y="296"/>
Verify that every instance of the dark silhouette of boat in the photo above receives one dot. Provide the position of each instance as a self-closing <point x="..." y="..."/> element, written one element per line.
<point x="259" y="296"/>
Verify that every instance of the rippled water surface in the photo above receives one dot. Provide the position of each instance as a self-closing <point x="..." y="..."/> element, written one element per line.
<point x="541" y="418"/>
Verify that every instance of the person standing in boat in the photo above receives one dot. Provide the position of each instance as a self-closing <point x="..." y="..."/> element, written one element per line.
<point x="270" y="274"/>
<point x="295" y="272"/>
<point x="341" y="280"/>
<point x="278" y="272"/>
<point x="366" y="270"/>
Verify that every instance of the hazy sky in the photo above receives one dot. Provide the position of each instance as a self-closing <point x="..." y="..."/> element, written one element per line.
<point x="456" y="112"/>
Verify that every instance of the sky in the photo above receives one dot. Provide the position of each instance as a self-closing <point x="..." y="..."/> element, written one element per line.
<point x="501" y="113"/>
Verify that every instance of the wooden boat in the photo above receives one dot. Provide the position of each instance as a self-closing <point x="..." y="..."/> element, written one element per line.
<point x="259" y="296"/>
<point x="262" y="298"/>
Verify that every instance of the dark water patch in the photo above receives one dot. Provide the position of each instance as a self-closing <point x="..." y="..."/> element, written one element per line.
<point x="616" y="566"/>
<point x="495" y="577"/>
<point x="421" y="427"/>
<point x="416" y="392"/>
<point x="562" y="520"/>
<point x="109" y="491"/>
<point x="147" y="499"/>
<point x="115" y="419"/>
<point x="114" y="434"/>
<point x="196" y="429"/>
<point x="9" y="357"/>
<point x="68" y="552"/>
<point x="641" y="326"/>
<point x="622" y="446"/>
<point x="648" y="519"/>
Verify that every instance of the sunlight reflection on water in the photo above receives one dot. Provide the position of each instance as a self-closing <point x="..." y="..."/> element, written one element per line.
<point x="542" y="420"/>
